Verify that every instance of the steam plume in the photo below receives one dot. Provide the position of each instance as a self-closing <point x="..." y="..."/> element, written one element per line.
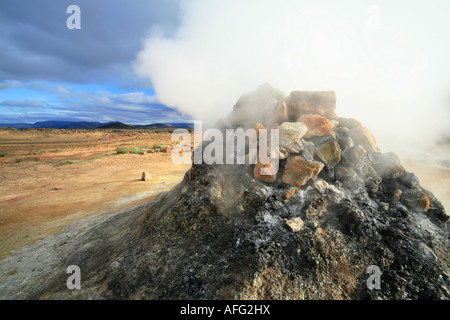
<point x="388" y="78"/>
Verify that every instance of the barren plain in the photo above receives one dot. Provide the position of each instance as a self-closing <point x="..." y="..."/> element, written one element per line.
<point x="51" y="177"/>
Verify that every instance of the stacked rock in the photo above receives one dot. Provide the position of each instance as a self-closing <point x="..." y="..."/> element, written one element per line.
<point x="316" y="147"/>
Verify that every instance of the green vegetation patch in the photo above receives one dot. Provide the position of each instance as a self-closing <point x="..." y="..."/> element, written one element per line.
<point x="134" y="150"/>
<point x="80" y="160"/>
<point x="137" y="150"/>
<point x="63" y="163"/>
<point x="158" y="146"/>
<point x="122" y="150"/>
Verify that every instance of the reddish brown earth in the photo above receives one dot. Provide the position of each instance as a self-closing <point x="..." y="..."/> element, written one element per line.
<point x="50" y="178"/>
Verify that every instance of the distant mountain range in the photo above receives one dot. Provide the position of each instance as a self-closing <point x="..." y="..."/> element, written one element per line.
<point x="54" y="124"/>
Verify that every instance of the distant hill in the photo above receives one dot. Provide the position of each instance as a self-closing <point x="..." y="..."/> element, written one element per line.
<point x="184" y="125"/>
<point x="115" y="125"/>
<point x="16" y="125"/>
<point x="154" y="126"/>
<point x="55" y="124"/>
<point x="157" y="126"/>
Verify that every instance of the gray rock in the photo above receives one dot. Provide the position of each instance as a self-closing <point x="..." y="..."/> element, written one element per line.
<point x="388" y="165"/>
<point x="308" y="150"/>
<point x="290" y="138"/>
<point x="343" y="137"/>
<point x="354" y="156"/>
<point x="415" y="199"/>
<point x="409" y="179"/>
<point x="427" y="253"/>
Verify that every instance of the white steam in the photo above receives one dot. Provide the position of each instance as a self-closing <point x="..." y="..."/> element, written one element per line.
<point x="390" y="75"/>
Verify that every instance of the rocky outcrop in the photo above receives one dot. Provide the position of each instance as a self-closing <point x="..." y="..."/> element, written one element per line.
<point x="316" y="124"/>
<point x="290" y="138"/>
<point x="362" y="136"/>
<point x="312" y="102"/>
<point x="328" y="151"/>
<point x="336" y="207"/>
<point x="145" y="176"/>
<point x="298" y="171"/>
<point x="265" y="172"/>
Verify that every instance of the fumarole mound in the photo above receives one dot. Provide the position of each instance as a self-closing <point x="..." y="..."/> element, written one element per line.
<point x="337" y="209"/>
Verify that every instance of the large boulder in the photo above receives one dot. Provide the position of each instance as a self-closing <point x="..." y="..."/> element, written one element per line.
<point x="290" y="138"/>
<point x="388" y="165"/>
<point x="317" y="125"/>
<point x="329" y="152"/>
<point x="415" y="199"/>
<point x="362" y="136"/>
<point x="145" y="176"/>
<point x="298" y="171"/>
<point x="281" y="112"/>
<point x="312" y="102"/>
<point x="349" y="123"/>
<point x="354" y="156"/>
<point x="265" y="172"/>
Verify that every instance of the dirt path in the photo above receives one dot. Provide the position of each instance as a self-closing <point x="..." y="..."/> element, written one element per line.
<point x="49" y="179"/>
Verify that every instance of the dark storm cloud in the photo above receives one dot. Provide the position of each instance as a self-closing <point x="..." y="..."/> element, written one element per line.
<point x="35" y="43"/>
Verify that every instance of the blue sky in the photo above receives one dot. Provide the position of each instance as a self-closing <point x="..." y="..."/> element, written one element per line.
<point x="48" y="72"/>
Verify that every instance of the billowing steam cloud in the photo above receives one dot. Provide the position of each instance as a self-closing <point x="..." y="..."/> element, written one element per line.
<point x="382" y="62"/>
